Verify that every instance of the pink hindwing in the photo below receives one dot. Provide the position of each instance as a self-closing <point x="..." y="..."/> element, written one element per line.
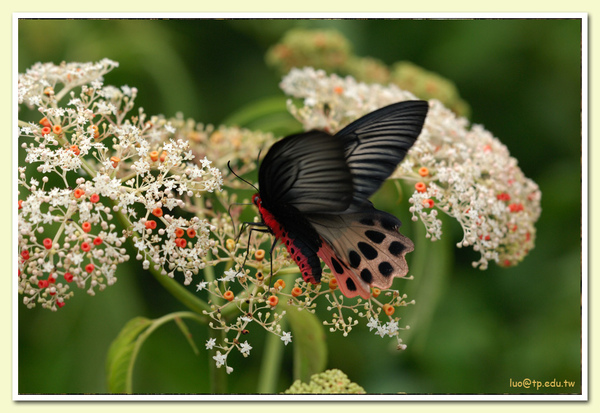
<point x="350" y="284"/>
<point x="363" y="250"/>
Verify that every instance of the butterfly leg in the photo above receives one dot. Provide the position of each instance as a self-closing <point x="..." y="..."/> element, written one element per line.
<point x="271" y="259"/>
<point x="255" y="226"/>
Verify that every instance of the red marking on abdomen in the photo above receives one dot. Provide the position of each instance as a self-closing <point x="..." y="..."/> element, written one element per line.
<point x="292" y="244"/>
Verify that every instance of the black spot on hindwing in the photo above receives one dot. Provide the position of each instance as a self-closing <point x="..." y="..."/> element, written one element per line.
<point x="375" y="236"/>
<point x="366" y="275"/>
<point x="354" y="259"/>
<point x="385" y="268"/>
<point x="337" y="266"/>
<point x="367" y="250"/>
<point x="350" y="284"/>
<point x="396" y="248"/>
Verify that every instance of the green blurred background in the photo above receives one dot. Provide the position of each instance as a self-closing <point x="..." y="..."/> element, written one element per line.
<point x="471" y="331"/>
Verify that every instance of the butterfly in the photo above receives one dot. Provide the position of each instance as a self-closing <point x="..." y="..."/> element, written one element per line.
<point x="313" y="196"/>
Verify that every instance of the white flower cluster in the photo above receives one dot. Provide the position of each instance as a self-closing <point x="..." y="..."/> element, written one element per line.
<point x="43" y="79"/>
<point x="464" y="172"/>
<point x="98" y="166"/>
<point x="245" y="347"/>
<point x="223" y="144"/>
<point x="330" y="102"/>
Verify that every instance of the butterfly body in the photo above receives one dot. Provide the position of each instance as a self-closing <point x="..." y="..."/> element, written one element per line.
<point x="313" y="196"/>
<point x="300" y="247"/>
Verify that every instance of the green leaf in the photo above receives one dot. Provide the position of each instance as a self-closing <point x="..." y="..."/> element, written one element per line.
<point x="186" y="333"/>
<point x="259" y="111"/>
<point x="120" y="354"/>
<point x="125" y="348"/>
<point x="310" y="349"/>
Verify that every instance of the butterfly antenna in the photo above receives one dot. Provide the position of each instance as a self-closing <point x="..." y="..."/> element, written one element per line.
<point x="239" y="177"/>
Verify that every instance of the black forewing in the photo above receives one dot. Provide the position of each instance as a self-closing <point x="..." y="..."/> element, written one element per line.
<point x="375" y="144"/>
<point x="307" y="171"/>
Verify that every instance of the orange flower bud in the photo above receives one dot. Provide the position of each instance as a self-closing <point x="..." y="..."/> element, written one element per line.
<point x="259" y="255"/>
<point x="333" y="283"/>
<point x="388" y="309"/>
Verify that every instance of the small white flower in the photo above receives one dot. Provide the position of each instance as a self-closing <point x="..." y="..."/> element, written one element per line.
<point x="286" y="337"/>
<point x="373" y="323"/>
<point x="245" y="348"/>
<point x="221" y="359"/>
<point x="381" y="331"/>
<point x="392" y="327"/>
<point x="230" y="275"/>
<point x="201" y="285"/>
<point x="210" y="343"/>
<point x="245" y="319"/>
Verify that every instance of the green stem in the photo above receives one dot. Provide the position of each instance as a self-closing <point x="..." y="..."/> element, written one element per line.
<point x="273" y="353"/>
<point x="178" y="291"/>
<point x="271" y="364"/>
<point x="218" y="376"/>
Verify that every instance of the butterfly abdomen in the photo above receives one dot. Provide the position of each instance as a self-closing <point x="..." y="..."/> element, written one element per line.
<point x="302" y="254"/>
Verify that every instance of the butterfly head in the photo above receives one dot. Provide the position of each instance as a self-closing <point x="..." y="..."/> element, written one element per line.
<point x="256" y="199"/>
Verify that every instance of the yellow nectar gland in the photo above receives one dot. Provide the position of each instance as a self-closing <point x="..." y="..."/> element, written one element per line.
<point x="273" y="300"/>
<point x="296" y="291"/>
<point x="228" y="296"/>
<point x="280" y="284"/>
<point x="376" y="292"/>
